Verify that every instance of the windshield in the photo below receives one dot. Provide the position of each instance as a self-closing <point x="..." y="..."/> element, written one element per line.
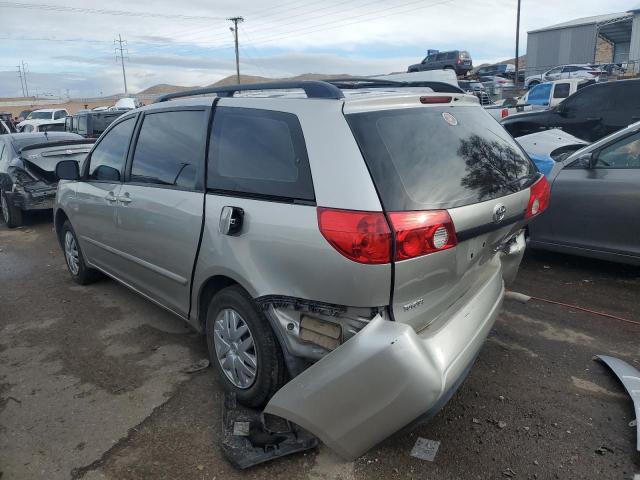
<point x="439" y="157"/>
<point x="40" y="116"/>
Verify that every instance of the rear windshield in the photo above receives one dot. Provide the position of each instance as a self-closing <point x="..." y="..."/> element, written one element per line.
<point x="439" y="157"/>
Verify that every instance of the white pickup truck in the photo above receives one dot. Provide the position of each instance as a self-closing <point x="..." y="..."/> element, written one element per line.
<point x="549" y="94"/>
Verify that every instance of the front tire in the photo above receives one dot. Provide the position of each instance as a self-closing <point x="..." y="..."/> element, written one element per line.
<point x="11" y="214"/>
<point x="243" y="348"/>
<point x="78" y="269"/>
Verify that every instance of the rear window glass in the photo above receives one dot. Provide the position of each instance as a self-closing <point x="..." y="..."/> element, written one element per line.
<point x="259" y="152"/>
<point x="439" y="157"/>
<point x="562" y="90"/>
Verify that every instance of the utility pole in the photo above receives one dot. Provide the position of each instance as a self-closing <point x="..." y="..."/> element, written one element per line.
<point x="21" y="82"/>
<point x="24" y="75"/>
<point x="120" y="51"/>
<point x="517" y="47"/>
<point x="234" y="29"/>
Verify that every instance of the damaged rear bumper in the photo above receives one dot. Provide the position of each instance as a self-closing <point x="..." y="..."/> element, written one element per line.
<point x="36" y="196"/>
<point x="387" y="376"/>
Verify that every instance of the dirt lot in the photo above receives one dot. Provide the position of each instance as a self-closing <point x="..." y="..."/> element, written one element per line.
<point x="92" y="384"/>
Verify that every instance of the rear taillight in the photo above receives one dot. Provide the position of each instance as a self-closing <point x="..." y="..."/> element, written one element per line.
<point x="538" y="198"/>
<point x="595" y="73"/>
<point x="363" y="237"/>
<point x="504" y="113"/>
<point x="421" y="233"/>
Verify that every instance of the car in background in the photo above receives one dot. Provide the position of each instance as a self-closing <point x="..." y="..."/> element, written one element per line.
<point x="90" y="123"/>
<point x="42" y="127"/>
<point x="583" y="71"/>
<point x="549" y="94"/>
<point x="457" y="60"/>
<point x="549" y="147"/>
<point x="42" y="116"/>
<point x="27" y="170"/>
<point x="24" y="114"/>
<point x="501" y="69"/>
<point x="594" y="207"/>
<point x="476" y="88"/>
<point x="590" y="114"/>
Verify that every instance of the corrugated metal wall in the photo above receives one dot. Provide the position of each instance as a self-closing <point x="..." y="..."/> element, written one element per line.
<point x="550" y="48"/>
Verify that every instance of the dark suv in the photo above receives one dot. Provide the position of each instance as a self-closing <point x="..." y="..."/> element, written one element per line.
<point x="458" y="60"/>
<point x="590" y="114"/>
<point x="90" y="124"/>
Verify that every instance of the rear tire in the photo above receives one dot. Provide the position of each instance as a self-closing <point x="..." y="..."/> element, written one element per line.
<point x="247" y="355"/>
<point x="78" y="269"/>
<point x="11" y="214"/>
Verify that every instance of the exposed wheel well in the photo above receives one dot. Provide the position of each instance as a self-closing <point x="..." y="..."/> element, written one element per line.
<point x="210" y="288"/>
<point x="61" y="217"/>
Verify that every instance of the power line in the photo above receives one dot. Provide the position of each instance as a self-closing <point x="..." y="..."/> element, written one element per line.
<point x="119" y="48"/>
<point x="100" y="11"/>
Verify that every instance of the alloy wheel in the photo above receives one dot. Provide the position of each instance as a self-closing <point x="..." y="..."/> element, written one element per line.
<point x="235" y="348"/>
<point x="71" y="253"/>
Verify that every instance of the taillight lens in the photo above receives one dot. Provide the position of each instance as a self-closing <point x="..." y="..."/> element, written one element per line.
<point x="504" y="113"/>
<point x="421" y="233"/>
<point x="430" y="100"/>
<point x="538" y="198"/>
<point x="363" y="237"/>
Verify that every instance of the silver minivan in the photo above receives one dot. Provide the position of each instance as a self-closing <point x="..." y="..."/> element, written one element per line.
<point x="345" y="254"/>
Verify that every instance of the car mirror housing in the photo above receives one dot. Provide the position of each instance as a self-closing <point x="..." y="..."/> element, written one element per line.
<point x="586" y="160"/>
<point x="67" y="170"/>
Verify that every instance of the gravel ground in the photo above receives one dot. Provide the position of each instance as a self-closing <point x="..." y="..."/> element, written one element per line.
<point x="93" y="384"/>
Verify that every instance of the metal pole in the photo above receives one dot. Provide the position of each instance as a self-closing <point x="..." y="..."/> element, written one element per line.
<point x="21" y="82"/>
<point x="515" y="83"/>
<point x="235" y="21"/>
<point x="24" y="75"/>
<point x="124" y="75"/>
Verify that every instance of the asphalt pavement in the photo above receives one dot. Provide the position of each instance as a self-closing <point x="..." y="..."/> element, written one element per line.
<point x="94" y="384"/>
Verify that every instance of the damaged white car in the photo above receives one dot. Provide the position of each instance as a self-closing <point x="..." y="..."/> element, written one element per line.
<point x="344" y="251"/>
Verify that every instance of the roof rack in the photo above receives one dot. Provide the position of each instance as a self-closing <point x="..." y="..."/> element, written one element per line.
<point x="331" y="89"/>
<point x="313" y="89"/>
<point x="366" y="82"/>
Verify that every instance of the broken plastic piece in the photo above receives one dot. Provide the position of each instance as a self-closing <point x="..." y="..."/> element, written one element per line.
<point x="425" y="449"/>
<point x="251" y="437"/>
<point x="630" y="378"/>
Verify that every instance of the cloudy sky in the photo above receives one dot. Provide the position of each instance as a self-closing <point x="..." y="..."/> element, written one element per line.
<point x="69" y="44"/>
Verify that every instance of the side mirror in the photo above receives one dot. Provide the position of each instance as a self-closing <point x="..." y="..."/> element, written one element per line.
<point x="67" y="170"/>
<point x="586" y="160"/>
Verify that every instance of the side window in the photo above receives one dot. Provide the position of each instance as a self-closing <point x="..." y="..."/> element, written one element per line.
<point x="259" y="152"/>
<point x="590" y="100"/>
<point x="59" y="114"/>
<point x="562" y="90"/>
<point x="441" y="56"/>
<point x="539" y="95"/>
<point x="108" y="157"/>
<point x="624" y="153"/>
<point x="554" y="71"/>
<point x="82" y="124"/>
<point x="169" y="148"/>
<point x="452" y="56"/>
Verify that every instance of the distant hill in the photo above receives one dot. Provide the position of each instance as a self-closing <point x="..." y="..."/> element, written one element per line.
<point x="163" y="88"/>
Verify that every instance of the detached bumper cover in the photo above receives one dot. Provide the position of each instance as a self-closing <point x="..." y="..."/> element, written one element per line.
<point x="387" y="376"/>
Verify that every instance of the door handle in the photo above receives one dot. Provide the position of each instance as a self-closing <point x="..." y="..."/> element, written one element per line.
<point x="124" y="198"/>
<point x="110" y="197"/>
<point x="231" y="220"/>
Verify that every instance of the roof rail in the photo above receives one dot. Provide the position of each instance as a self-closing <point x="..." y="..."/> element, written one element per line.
<point x="366" y="82"/>
<point x="313" y="89"/>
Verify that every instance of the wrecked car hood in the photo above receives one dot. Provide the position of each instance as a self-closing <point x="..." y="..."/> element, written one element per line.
<point x="46" y="157"/>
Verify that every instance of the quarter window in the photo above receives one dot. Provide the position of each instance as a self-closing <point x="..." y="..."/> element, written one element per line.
<point x="562" y="90"/>
<point x="623" y="154"/>
<point x="108" y="157"/>
<point x="259" y="152"/>
<point x="169" y="149"/>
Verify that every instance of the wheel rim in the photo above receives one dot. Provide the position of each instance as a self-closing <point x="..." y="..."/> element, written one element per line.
<point x="71" y="253"/>
<point x="5" y="209"/>
<point x="235" y="348"/>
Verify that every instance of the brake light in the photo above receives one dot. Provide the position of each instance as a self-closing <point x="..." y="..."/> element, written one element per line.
<point x="538" y="198"/>
<point x="421" y="233"/>
<point x="363" y="237"/>
<point x="504" y="113"/>
<point x="435" y="99"/>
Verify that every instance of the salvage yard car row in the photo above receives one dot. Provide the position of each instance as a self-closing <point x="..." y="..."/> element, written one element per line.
<point x="344" y="285"/>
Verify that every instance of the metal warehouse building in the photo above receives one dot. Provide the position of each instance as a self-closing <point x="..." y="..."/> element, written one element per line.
<point x="613" y="38"/>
